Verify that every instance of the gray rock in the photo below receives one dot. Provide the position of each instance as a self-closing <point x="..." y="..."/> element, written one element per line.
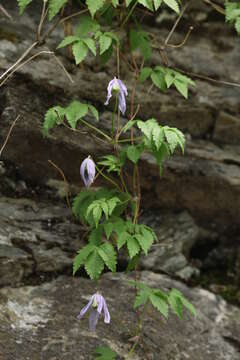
<point x="40" y="323"/>
<point x="35" y="238"/>
<point x="176" y="236"/>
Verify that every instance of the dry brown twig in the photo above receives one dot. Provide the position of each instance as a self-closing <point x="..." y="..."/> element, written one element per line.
<point x="65" y="181"/>
<point x="8" y="135"/>
<point x="4" y="11"/>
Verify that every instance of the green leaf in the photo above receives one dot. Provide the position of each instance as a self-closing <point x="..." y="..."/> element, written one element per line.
<point x="142" y="297"/>
<point x="94" y="265"/>
<point x="55" y="6"/>
<point x="108" y="228"/>
<point x="91" y="45"/>
<point x="158" y="80"/>
<point x="108" y="254"/>
<point x="181" y="87"/>
<point x="81" y="203"/>
<point x="94" y="111"/>
<point x="174" y="137"/>
<point x="80" y="51"/>
<point x="129" y="125"/>
<point x="106" y="55"/>
<point x="87" y="25"/>
<point x="145" y="73"/>
<point x="158" y="136"/>
<point x="22" y="5"/>
<point x="133" y="247"/>
<point x="169" y="78"/>
<point x="81" y="257"/>
<point x="105" y="42"/>
<point x="75" y="111"/>
<point x="145" y="240"/>
<point x="95" y="237"/>
<point x="147" y="3"/>
<point x="140" y="40"/>
<point x="128" y="2"/>
<point x="122" y="239"/>
<point x="53" y="117"/>
<point x="67" y="41"/>
<point x="112" y="203"/>
<point x="157" y="4"/>
<point x="104" y="353"/>
<point x="177" y="300"/>
<point x="133" y="263"/>
<point x="94" y="5"/>
<point x="134" y="152"/>
<point x="113" y="36"/>
<point x="173" y="5"/>
<point x="160" y="303"/>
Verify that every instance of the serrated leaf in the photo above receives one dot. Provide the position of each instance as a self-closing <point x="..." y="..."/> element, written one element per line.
<point x="87" y="25"/>
<point x="147" y="3"/>
<point x="104" y="353"/>
<point x="145" y="74"/>
<point x="129" y="125"/>
<point x="133" y="263"/>
<point x="182" y="87"/>
<point x="91" y="45"/>
<point x="140" y="40"/>
<point x="122" y="239"/>
<point x="169" y="78"/>
<point x="94" y="265"/>
<point x="80" y="51"/>
<point x="95" y="237"/>
<point x="145" y="240"/>
<point x="172" y="138"/>
<point x="53" y="117"/>
<point x="160" y="304"/>
<point x="94" y="5"/>
<point x="112" y="203"/>
<point x="94" y="111"/>
<point x="134" y="152"/>
<point x="133" y="247"/>
<point x="108" y="228"/>
<point x="105" y="42"/>
<point x="106" y="55"/>
<point x="81" y="257"/>
<point x="75" y="111"/>
<point x="158" y="80"/>
<point x="97" y="214"/>
<point x="173" y="5"/>
<point x="157" y="4"/>
<point x="107" y="253"/>
<point x="141" y="298"/>
<point x="23" y="4"/>
<point x="67" y="41"/>
<point x="55" y="6"/>
<point x="158" y="136"/>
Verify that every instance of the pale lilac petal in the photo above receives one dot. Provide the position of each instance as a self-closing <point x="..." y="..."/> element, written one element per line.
<point x="122" y="103"/>
<point x="99" y="299"/>
<point x="85" y="308"/>
<point x="87" y="171"/>
<point x="109" y="90"/>
<point x="123" y="87"/>
<point x="93" y="319"/>
<point x="106" y="312"/>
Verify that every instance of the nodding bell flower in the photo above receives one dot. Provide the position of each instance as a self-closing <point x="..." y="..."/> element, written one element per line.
<point x="120" y="89"/>
<point x="96" y="304"/>
<point x="87" y="171"/>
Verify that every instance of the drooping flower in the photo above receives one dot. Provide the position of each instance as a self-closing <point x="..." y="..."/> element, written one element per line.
<point x="88" y="171"/>
<point x="96" y="304"/>
<point x="119" y="87"/>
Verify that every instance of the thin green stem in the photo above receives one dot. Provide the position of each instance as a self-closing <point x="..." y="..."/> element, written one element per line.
<point x="96" y="129"/>
<point x="129" y="15"/>
<point x="107" y="178"/>
<point x="113" y="116"/>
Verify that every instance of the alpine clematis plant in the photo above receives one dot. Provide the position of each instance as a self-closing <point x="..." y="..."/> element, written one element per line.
<point x="88" y="171"/>
<point x="117" y="86"/>
<point x="111" y="216"/>
<point x="96" y="304"/>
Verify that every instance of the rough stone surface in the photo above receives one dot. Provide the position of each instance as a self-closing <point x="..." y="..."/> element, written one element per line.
<point x="35" y="238"/>
<point x="40" y="323"/>
<point x="206" y="181"/>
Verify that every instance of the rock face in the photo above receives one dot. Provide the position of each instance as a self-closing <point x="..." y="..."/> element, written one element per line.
<point x="40" y="323"/>
<point x="206" y="181"/>
<point x="35" y="239"/>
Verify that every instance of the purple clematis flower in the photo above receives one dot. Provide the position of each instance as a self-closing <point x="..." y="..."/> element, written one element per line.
<point x="119" y="87"/>
<point x="96" y="304"/>
<point x="87" y="171"/>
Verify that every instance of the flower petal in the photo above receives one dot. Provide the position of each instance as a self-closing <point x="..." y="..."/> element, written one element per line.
<point x="85" y="308"/>
<point x="107" y="317"/>
<point x="122" y="102"/>
<point x="87" y="171"/>
<point x="109" y="90"/>
<point x="123" y="87"/>
<point x="100" y="303"/>
<point x="93" y="319"/>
